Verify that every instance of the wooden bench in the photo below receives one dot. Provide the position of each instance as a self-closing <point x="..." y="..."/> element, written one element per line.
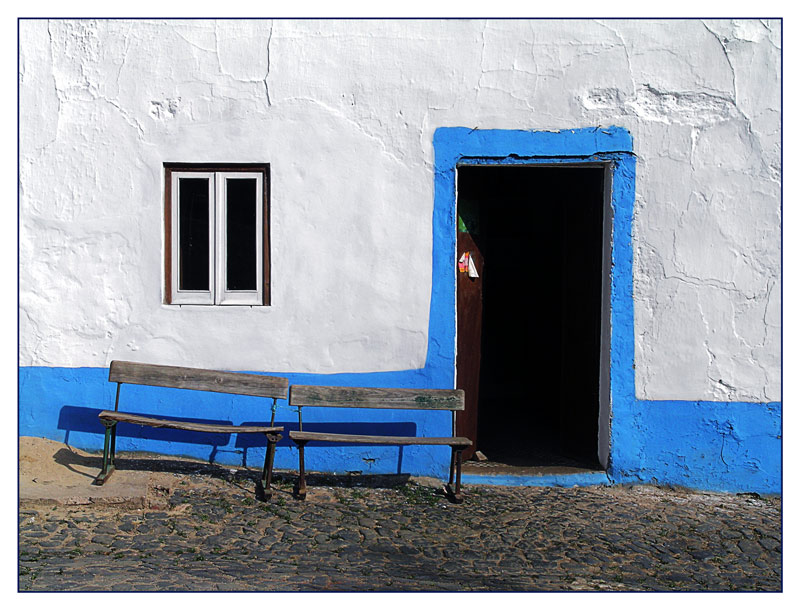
<point x="378" y="398"/>
<point x="192" y="379"/>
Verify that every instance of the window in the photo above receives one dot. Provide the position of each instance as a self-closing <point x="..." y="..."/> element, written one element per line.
<point x="216" y="228"/>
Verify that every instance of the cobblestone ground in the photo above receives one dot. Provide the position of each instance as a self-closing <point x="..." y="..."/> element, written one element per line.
<point x="216" y="536"/>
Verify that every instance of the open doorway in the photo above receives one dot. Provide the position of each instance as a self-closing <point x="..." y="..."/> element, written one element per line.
<point x="532" y="324"/>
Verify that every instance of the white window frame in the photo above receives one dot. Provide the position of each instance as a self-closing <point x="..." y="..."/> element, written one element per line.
<point x="238" y="297"/>
<point x="191" y="297"/>
<point x="217" y="294"/>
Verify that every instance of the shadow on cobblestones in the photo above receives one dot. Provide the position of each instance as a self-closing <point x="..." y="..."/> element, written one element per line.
<point x="205" y="531"/>
<point x="242" y="478"/>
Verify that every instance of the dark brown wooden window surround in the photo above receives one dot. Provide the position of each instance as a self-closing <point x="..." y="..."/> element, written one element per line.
<point x="213" y="167"/>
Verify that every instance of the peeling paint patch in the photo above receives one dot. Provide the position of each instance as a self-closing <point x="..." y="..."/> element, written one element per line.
<point x="725" y="446"/>
<point x="166" y="109"/>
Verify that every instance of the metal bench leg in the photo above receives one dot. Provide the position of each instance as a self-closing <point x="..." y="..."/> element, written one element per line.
<point x="108" y="452"/>
<point x="113" y="455"/>
<point x="300" y="485"/>
<point x="455" y="494"/>
<point x="269" y="458"/>
<point x="458" y="496"/>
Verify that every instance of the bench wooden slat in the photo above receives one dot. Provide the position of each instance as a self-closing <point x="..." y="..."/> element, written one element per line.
<point x="184" y="378"/>
<point x="154" y="422"/>
<point x="379" y="440"/>
<point x="376" y="398"/>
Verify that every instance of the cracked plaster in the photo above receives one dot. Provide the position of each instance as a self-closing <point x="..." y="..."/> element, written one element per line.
<point x="345" y="112"/>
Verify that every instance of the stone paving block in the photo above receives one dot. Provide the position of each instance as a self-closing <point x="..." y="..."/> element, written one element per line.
<point x="770" y="545"/>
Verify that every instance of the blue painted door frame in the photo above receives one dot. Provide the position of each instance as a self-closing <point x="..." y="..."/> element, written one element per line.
<point x="457" y="147"/>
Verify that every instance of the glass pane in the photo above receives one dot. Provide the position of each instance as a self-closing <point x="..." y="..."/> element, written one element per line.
<point x="240" y="238"/>
<point x="193" y="234"/>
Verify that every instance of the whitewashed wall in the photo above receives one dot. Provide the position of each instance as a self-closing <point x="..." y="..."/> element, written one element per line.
<point x="344" y="111"/>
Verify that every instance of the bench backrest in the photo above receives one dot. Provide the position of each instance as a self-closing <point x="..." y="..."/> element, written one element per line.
<point x="198" y="379"/>
<point x="376" y="398"/>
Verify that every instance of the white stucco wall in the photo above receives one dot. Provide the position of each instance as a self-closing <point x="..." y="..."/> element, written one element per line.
<point x="344" y="111"/>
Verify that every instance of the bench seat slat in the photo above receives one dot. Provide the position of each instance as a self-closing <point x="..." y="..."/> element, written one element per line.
<point x="185" y="378"/>
<point x="376" y="398"/>
<point x="154" y="422"/>
<point x="379" y="440"/>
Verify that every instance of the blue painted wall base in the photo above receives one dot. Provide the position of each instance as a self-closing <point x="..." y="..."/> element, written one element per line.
<point x="715" y="446"/>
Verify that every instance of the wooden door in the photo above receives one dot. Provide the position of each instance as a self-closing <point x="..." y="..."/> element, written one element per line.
<point x="469" y="303"/>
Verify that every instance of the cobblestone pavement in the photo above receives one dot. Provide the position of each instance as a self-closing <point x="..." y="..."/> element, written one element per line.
<point x="210" y="533"/>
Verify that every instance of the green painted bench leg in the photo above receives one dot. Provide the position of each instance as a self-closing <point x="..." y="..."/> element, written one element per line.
<point x="108" y="452"/>
<point x="269" y="458"/>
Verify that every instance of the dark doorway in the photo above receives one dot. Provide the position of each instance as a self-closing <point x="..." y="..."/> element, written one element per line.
<point x="529" y="343"/>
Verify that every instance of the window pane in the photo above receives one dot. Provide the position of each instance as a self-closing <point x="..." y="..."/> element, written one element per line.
<point x="193" y="232"/>
<point x="240" y="238"/>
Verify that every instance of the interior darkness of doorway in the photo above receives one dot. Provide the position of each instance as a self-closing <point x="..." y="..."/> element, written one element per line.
<point x="541" y="236"/>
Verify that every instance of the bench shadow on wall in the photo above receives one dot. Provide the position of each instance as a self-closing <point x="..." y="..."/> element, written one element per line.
<point x="250" y="447"/>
